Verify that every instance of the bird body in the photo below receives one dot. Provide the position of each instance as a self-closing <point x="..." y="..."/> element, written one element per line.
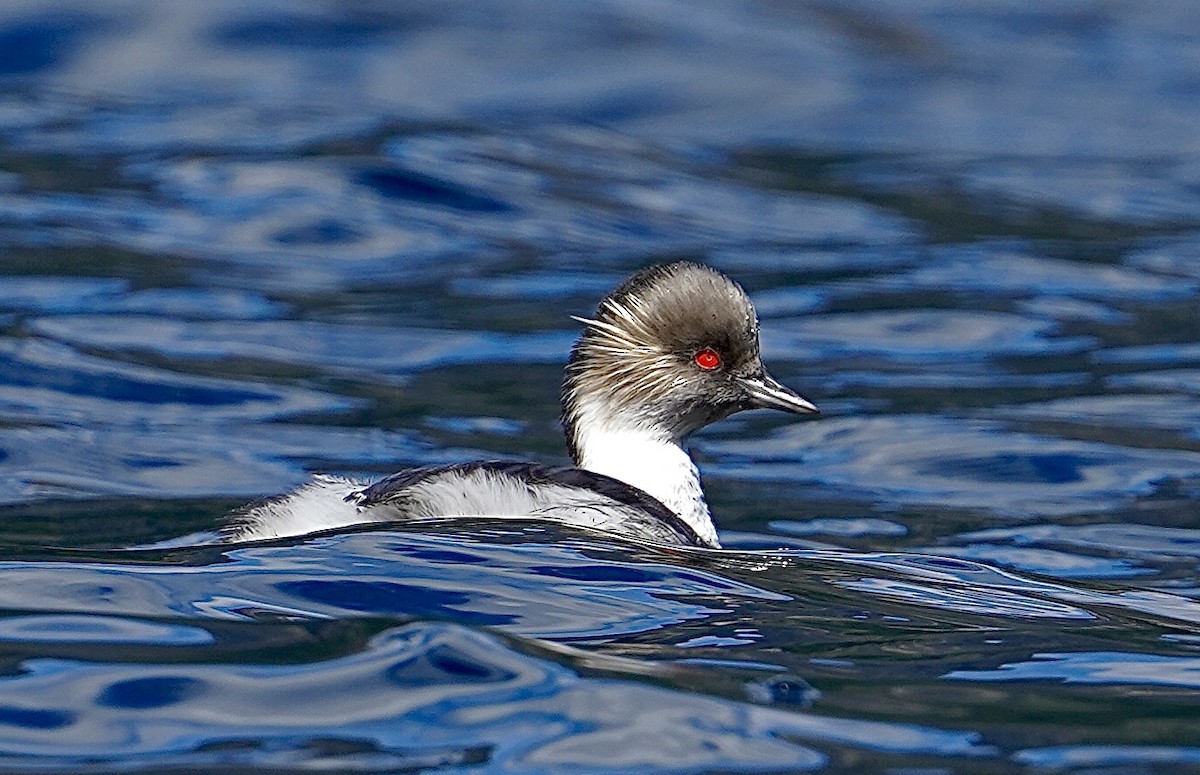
<point x="674" y="348"/>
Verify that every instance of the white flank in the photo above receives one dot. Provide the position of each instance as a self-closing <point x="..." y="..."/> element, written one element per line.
<point x="319" y="505"/>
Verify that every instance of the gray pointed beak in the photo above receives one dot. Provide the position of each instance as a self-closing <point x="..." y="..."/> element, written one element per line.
<point x="765" y="393"/>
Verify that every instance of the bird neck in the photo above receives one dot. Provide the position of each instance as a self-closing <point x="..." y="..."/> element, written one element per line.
<point x="644" y="457"/>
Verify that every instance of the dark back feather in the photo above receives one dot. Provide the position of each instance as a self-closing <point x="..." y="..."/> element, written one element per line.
<point x="394" y="490"/>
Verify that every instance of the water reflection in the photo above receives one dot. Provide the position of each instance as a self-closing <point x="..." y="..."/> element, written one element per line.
<point x="561" y="592"/>
<point x="416" y="694"/>
<point x="1095" y="668"/>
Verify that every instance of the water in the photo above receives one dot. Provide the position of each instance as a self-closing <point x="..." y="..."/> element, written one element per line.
<point x="241" y="244"/>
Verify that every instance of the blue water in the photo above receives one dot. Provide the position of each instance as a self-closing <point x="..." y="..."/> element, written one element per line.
<point x="243" y="243"/>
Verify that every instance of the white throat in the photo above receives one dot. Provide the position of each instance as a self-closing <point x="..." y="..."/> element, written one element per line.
<point x="648" y="461"/>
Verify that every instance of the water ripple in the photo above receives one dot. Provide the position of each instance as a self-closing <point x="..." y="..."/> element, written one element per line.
<point x="965" y="464"/>
<point x="1004" y="269"/>
<point x="918" y="335"/>
<point x="356" y="575"/>
<point x="92" y="630"/>
<point x="368" y="350"/>
<point x="1107" y="756"/>
<point x="347" y="238"/>
<point x="421" y="690"/>
<point x="51" y="383"/>
<point x="1095" y="668"/>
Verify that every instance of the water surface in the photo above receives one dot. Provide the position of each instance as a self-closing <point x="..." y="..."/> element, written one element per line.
<point x="239" y="245"/>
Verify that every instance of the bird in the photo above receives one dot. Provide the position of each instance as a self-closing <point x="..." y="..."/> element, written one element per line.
<point x="673" y="348"/>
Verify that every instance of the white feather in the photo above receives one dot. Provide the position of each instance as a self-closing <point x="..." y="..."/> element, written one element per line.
<point x="318" y="505"/>
<point x="329" y="502"/>
<point x="647" y="460"/>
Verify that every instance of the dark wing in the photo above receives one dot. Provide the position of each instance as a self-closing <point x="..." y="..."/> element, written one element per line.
<point x="391" y="490"/>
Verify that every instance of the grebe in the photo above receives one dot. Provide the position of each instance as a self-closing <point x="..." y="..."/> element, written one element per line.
<point x="674" y="348"/>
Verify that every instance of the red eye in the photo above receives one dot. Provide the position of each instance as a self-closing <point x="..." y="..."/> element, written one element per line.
<point x="708" y="359"/>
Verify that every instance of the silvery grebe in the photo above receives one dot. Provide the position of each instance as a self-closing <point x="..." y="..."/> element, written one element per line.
<point x="674" y="348"/>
